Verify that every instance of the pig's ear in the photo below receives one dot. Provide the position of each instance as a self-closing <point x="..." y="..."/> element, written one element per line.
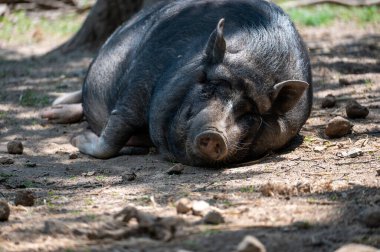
<point x="216" y="45"/>
<point x="286" y="94"/>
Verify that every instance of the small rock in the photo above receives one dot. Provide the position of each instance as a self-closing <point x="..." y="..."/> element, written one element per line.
<point x="353" y="153"/>
<point x="15" y="147"/>
<point x="356" y="248"/>
<point x="355" y="110"/>
<point x="371" y="218"/>
<point x="6" y="161"/>
<point x="319" y="149"/>
<point x="250" y="244"/>
<point x="183" y="206"/>
<point x="200" y="207"/>
<point x="128" y="176"/>
<point x="338" y="127"/>
<point x="378" y="172"/>
<point x="213" y="217"/>
<point x="176" y="169"/>
<point x="4" y="210"/>
<point x="30" y="164"/>
<point x="24" y="198"/>
<point x="329" y="101"/>
<point x="73" y="155"/>
<point x="53" y="227"/>
<point x="88" y="174"/>
<point x="344" y="82"/>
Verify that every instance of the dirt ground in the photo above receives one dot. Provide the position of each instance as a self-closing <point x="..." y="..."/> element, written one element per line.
<point x="305" y="198"/>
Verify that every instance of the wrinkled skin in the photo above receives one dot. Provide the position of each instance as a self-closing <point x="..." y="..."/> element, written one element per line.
<point x="211" y="82"/>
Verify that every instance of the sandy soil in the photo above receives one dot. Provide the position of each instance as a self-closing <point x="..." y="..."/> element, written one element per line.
<point x="315" y="201"/>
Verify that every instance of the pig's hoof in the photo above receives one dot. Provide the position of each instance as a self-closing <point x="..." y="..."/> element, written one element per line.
<point x="86" y="142"/>
<point x="65" y="113"/>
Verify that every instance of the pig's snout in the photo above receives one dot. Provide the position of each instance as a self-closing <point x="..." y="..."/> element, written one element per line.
<point x="211" y="145"/>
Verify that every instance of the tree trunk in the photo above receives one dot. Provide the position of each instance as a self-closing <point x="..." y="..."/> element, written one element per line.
<point x="104" y="17"/>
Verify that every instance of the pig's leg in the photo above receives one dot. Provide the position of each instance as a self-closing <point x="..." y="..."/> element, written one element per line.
<point x="65" y="109"/>
<point x="65" y="113"/>
<point x="109" y="143"/>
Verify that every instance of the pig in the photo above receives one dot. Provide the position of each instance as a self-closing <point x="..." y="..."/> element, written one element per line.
<point x="207" y="82"/>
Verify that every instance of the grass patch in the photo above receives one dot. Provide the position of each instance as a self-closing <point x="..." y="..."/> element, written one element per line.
<point x="32" y="98"/>
<point x="247" y="189"/>
<point x="20" y="28"/>
<point x="325" y="14"/>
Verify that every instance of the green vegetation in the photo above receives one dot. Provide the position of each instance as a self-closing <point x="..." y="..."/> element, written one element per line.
<point x="19" y="27"/>
<point x="247" y="189"/>
<point x="28" y="184"/>
<point x="32" y="98"/>
<point x="325" y="14"/>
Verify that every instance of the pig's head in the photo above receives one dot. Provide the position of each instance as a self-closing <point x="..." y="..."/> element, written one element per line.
<point x="222" y="115"/>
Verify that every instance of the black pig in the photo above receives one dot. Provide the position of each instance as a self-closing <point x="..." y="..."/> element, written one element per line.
<point x="211" y="82"/>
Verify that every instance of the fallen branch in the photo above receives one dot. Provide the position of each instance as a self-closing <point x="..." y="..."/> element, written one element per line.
<point x="358" y="3"/>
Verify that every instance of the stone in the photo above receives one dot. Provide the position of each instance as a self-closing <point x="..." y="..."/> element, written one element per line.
<point x="250" y="244"/>
<point x="200" y="207"/>
<point x="15" y="147"/>
<point x="4" y="210"/>
<point x="24" y="198"/>
<point x="214" y="218"/>
<point x="6" y="161"/>
<point x="183" y="206"/>
<point x="353" y="153"/>
<point x="30" y="164"/>
<point x="127" y="176"/>
<point x="329" y="101"/>
<point x="352" y="247"/>
<point x="354" y="110"/>
<point x="176" y="169"/>
<point x="338" y="127"/>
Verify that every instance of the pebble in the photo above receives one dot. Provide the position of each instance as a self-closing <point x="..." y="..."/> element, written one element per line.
<point x="6" y="161"/>
<point x="200" y="207"/>
<point x="183" y="206"/>
<point x="338" y="127"/>
<point x="344" y="82"/>
<point x="319" y="149"/>
<point x="329" y="101"/>
<point x="354" y="110"/>
<point x="4" y="210"/>
<point x="371" y="218"/>
<point x="214" y="218"/>
<point x="88" y="174"/>
<point x="176" y="169"/>
<point x="24" y="198"/>
<point x="15" y="147"/>
<point x="378" y="172"/>
<point x="356" y="248"/>
<point x="128" y="176"/>
<point x="353" y="153"/>
<point x="30" y="164"/>
<point x="250" y="244"/>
